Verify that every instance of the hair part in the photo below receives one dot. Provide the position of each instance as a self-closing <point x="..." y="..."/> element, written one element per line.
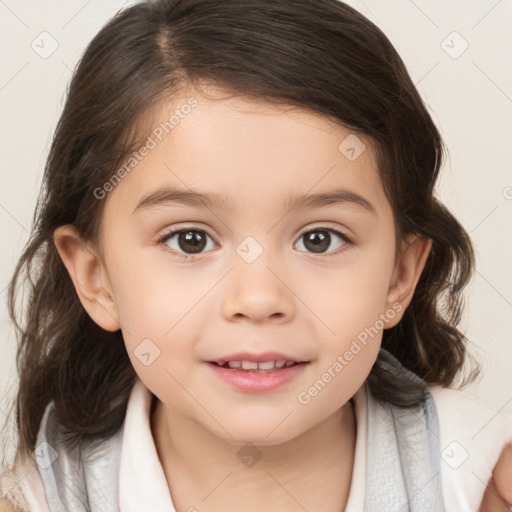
<point x="320" y="55"/>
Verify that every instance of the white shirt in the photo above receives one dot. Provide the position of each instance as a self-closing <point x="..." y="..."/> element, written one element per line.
<point x="142" y="484"/>
<point x="472" y="437"/>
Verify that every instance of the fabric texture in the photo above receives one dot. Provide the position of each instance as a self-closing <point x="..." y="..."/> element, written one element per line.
<point x="78" y="480"/>
<point x="404" y="465"/>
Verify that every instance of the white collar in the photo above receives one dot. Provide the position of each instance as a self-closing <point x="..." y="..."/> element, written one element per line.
<point x="142" y="481"/>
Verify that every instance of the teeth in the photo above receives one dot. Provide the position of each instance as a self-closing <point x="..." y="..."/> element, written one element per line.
<point x="266" y="365"/>
<point x="256" y="365"/>
<point x="249" y="365"/>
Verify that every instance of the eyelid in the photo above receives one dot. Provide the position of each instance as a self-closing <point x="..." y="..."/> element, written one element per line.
<point x="348" y="240"/>
<point x="162" y="239"/>
<point x="172" y="231"/>
<point x="325" y="227"/>
<point x="318" y="226"/>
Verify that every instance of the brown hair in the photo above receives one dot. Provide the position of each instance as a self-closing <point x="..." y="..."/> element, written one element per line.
<point x="320" y="55"/>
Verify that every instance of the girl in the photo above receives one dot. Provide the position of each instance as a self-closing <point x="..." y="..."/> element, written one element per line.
<point x="246" y="294"/>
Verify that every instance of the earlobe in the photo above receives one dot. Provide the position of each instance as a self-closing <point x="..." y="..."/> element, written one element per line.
<point x="88" y="273"/>
<point x="409" y="266"/>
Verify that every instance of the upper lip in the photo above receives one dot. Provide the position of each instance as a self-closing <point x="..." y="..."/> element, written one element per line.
<point x="248" y="356"/>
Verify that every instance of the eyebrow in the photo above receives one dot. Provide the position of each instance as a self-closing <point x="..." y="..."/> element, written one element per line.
<point x="171" y="194"/>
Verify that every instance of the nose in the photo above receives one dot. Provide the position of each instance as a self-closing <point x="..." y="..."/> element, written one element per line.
<point x="258" y="292"/>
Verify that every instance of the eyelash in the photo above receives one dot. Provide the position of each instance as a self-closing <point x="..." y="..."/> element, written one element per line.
<point x="186" y="257"/>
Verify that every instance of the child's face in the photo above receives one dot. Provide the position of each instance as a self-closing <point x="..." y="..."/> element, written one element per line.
<point x="256" y="285"/>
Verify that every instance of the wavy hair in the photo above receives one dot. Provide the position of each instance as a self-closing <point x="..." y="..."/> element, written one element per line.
<point x="320" y="55"/>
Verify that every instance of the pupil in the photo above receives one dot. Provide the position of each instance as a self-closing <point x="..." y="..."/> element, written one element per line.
<point x="319" y="241"/>
<point x="191" y="241"/>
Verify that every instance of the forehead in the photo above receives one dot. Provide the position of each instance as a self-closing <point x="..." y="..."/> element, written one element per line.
<point x="246" y="148"/>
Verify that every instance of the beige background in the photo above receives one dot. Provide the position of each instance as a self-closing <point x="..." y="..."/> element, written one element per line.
<point x="469" y="94"/>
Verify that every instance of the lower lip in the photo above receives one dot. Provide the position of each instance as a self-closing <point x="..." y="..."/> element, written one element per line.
<point x="253" y="382"/>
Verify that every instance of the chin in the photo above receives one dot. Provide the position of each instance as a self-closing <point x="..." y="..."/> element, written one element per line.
<point x="261" y="433"/>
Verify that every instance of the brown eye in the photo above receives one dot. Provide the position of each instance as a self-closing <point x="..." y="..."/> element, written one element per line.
<point x="191" y="241"/>
<point x="188" y="241"/>
<point x="319" y="240"/>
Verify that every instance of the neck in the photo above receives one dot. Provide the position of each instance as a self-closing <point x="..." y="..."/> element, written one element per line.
<point x="207" y="474"/>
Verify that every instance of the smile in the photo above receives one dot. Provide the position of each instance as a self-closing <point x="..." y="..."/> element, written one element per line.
<point x="251" y="373"/>
<point x="256" y="366"/>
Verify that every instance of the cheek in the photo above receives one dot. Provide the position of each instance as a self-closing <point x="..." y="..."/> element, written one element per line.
<point x="151" y="291"/>
<point x="140" y="298"/>
<point x="352" y="306"/>
<point x="352" y="295"/>
<point x="158" y="305"/>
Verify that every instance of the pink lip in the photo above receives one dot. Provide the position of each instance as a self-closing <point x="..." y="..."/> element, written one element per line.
<point x="253" y="382"/>
<point x="247" y="356"/>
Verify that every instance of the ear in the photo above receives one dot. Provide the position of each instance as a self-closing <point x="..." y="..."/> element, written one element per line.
<point x="89" y="276"/>
<point x="408" y="269"/>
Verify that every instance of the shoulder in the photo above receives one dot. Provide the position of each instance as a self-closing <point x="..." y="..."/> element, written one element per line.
<point x="11" y="496"/>
<point x="21" y="488"/>
<point x="5" y="506"/>
<point x="471" y="438"/>
<point x="462" y="413"/>
<point x="10" y="492"/>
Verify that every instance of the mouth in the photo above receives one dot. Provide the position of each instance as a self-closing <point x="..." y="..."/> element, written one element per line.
<point x="247" y="366"/>
<point x="252" y="373"/>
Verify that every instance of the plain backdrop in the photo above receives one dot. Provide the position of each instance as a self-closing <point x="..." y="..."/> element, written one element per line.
<point x="458" y="55"/>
